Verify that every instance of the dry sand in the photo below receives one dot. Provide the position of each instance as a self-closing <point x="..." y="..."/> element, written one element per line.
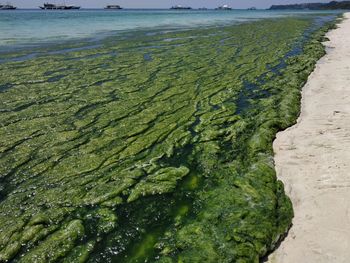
<point x="313" y="160"/>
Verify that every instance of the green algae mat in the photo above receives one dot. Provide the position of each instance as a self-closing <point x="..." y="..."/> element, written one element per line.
<point x="151" y="146"/>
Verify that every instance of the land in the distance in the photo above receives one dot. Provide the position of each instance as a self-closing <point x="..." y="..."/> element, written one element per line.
<point x="315" y="6"/>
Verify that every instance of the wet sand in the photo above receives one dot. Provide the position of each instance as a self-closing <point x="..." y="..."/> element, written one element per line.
<point x="313" y="160"/>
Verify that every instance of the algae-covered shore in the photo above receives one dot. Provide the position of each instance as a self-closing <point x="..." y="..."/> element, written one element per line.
<point x="151" y="147"/>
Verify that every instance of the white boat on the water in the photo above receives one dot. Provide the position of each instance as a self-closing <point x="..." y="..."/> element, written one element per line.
<point x="224" y="7"/>
<point x="7" y="7"/>
<point x="180" y="7"/>
<point x="48" y="6"/>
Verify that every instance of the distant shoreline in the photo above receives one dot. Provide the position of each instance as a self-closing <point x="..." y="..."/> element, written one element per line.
<point x="334" y="5"/>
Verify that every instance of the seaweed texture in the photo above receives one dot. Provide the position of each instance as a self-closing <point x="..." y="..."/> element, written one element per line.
<point x="151" y="148"/>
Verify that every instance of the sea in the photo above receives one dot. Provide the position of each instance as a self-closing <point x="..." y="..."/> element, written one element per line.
<point x="28" y="28"/>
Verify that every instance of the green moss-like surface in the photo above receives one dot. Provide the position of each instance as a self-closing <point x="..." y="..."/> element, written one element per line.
<point x="154" y="147"/>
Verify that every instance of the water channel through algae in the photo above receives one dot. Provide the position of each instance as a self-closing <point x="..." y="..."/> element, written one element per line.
<point x="151" y="146"/>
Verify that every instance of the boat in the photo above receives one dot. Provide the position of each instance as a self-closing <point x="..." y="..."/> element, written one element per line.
<point x="224" y="7"/>
<point x="48" y="6"/>
<point x="180" y="7"/>
<point x="114" y="7"/>
<point x="252" y="8"/>
<point x="7" y="7"/>
<point x="202" y="8"/>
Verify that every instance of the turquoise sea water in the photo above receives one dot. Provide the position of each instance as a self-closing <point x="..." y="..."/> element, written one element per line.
<point x="30" y="27"/>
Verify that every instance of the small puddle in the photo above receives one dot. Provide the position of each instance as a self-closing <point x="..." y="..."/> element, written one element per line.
<point x="147" y="57"/>
<point x="55" y="78"/>
<point x="5" y="87"/>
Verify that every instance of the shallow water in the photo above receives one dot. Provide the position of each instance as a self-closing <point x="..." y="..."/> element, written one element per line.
<point x="151" y="145"/>
<point x="29" y="27"/>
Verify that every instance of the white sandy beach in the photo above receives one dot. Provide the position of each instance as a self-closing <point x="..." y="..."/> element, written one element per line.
<point x="313" y="160"/>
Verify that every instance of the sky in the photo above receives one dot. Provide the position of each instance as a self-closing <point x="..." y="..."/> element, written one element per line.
<point x="160" y="3"/>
